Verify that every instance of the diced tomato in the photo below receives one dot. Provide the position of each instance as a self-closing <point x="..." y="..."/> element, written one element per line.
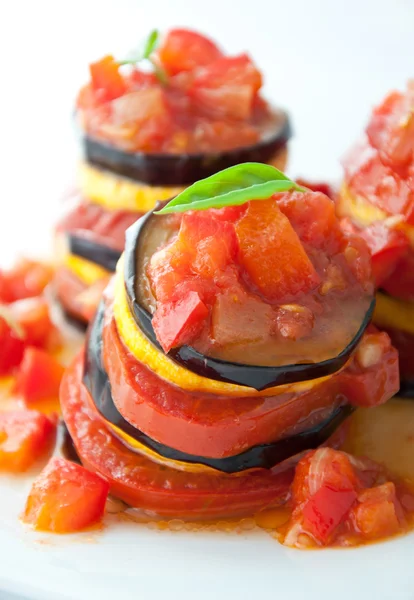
<point x="178" y="323"/>
<point x="318" y="186"/>
<point x="400" y="283"/>
<point x="386" y="244"/>
<point x="364" y="383"/>
<point x="185" y="50"/>
<point x="378" y="512"/>
<point x="325" y="510"/>
<point x="228" y="87"/>
<point x="106" y="78"/>
<point x="39" y="376"/>
<point x="65" y="498"/>
<point x="12" y="347"/>
<point x="33" y="316"/>
<point x="391" y="129"/>
<point x="26" y="279"/>
<point x="272" y="254"/>
<point x="25" y="435"/>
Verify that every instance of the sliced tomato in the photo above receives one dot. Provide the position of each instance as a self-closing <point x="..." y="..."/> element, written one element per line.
<point x="25" y="435"/>
<point x="65" y="497"/>
<point x="177" y="323"/>
<point x="157" y="488"/>
<point x="33" y="316"/>
<point x="271" y="253"/>
<point x="39" y="376"/>
<point x="185" y="50"/>
<point x="378" y="513"/>
<point x="12" y="346"/>
<point x="106" y="78"/>
<point x="28" y="278"/>
<point x="227" y="87"/>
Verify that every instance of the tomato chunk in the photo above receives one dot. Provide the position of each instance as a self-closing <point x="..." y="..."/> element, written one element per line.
<point x="185" y="50"/>
<point x="272" y="254"/>
<point x="325" y="510"/>
<point x="24" y="436"/>
<point x="65" y="497"/>
<point x="39" y="376"/>
<point x="378" y="512"/>
<point x="33" y="316"/>
<point x="177" y="323"/>
<point x="106" y="78"/>
<point x="12" y="346"/>
<point x="26" y="279"/>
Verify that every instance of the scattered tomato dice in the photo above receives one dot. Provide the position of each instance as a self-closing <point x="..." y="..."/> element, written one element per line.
<point x="12" y="346"/>
<point x="106" y="78"/>
<point x="26" y="279"/>
<point x="272" y="254"/>
<point x="184" y="50"/>
<point x="378" y="512"/>
<point x="39" y="376"/>
<point x="24" y="437"/>
<point x="33" y="316"/>
<point x="65" y="498"/>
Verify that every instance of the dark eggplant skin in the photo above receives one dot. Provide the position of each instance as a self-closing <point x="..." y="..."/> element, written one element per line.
<point x="181" y="169"/>
<point x="101" y="255"/>
<point x="264" y="456"/>
<point x="257" y="377"/>
<point x="406" y="389"/>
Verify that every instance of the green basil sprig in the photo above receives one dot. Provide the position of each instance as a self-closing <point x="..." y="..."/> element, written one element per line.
<point x="232" y="187"/>
<point x="148" y="48"/>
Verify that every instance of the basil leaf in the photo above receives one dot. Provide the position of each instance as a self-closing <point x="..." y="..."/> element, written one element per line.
<point x="231" y="187"/>
<point x="151" y="43"/>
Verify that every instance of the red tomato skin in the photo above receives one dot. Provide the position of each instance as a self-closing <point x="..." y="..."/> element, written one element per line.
<point x="12" y="348"/>
<point x="39" y="376"/>
<point x="65" y="498"/>
<point x="185" y="50"/>
<point x="26" y="279"/>
<point x="325" y="510"/>
<point x="25" y="435"/>
<point x="178" y="323"/>
<point x="156" y="488"/>
<point x="106" y="78"/>
<point x="400" y="282"/>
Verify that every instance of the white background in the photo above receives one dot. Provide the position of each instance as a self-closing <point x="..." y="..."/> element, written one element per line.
<point x="328" y="62"/>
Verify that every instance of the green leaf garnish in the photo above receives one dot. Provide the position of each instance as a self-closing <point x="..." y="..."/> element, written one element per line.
<point x="146" y="53"/>
<point x="232" y="187"/>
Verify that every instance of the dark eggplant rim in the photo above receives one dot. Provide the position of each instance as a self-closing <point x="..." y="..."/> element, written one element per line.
<point x="181" y="169"/>
<point x="101" y="255"/>
<point x="406" y="389"/>
<point x="264" y="456"/>
<point x="257" y="377"/>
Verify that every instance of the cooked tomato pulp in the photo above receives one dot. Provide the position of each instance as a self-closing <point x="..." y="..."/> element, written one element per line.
<point x="271" y="282"/>
<point x="205" y="102"/>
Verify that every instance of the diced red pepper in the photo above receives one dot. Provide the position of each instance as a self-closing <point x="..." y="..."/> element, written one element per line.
<point x="39" y="376"/>
<point x="178" y="323"/>
<point x="12" y="347"/>
<point x="106" y="78"/>
<point x="26" y="279"/>
<point x="325" y="510"/>
<point x="272" y="254"/>
<point x="185" y="50"/>
<point x="25" y="435"/>
<point x="65" y="498"/>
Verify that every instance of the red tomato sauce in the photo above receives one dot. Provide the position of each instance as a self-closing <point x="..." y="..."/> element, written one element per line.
<point x="271" y="282"/>
<point x="206" y="102"/>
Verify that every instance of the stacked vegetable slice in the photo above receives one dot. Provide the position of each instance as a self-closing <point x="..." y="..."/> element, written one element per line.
<point x="145" y="134"/>
<point x="377" y="199"/>
<point x="233" y="338"/>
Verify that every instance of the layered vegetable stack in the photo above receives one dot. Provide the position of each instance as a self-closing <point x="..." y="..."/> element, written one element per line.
<point x="234" y="337"/>
<point x="377" y="197"/>
<point x="148" y="132"/>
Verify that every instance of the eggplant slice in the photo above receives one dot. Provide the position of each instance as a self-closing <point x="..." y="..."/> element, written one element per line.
<point x="263" y="456"/>
<point x="101" y="255"/>
<point x="183" y="169"/>
<point x="257" y="377"/>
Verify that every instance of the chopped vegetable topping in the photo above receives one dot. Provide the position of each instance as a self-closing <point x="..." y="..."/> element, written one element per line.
<point x="39" y="376"/>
